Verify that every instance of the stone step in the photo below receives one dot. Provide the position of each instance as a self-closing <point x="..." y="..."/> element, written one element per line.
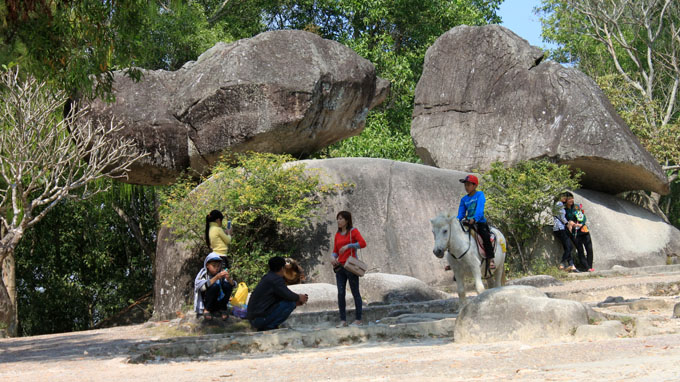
<point x="286" y="339"/>
<point x="371" y="313"/>
<point x="623" y="271"/>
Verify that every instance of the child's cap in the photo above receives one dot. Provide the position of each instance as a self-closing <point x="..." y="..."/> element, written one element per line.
<point x="210" y="258"/>
<point x="470" y="178"/>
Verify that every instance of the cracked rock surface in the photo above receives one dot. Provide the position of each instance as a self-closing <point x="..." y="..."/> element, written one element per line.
<point x="391" y="204"/>
<point x="486" y="95"/>
<point x="282" y="92"/>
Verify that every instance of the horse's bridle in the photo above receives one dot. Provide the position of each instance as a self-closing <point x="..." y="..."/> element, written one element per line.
<point x="462" y="226"/>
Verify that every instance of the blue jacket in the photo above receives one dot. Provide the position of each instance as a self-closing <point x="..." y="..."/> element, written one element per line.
<point x="472" y="207"/>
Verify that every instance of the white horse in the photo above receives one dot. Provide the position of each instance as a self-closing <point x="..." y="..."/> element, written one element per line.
<point x="462" y="253"/>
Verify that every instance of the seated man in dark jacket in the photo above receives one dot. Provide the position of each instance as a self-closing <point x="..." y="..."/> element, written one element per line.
<point x="272" y="302"/>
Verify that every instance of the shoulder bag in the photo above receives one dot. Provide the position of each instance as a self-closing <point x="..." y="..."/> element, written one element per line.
<point x="353" y="264"/>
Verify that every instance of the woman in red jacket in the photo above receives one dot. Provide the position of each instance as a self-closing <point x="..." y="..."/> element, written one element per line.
<point x="347" y="241"/>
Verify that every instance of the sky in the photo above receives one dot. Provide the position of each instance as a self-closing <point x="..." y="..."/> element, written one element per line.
<point x="519" y="17"/>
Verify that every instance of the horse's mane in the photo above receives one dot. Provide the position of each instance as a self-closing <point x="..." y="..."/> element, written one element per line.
<point x="444" y="216"/>
<point x="447" y="215"/>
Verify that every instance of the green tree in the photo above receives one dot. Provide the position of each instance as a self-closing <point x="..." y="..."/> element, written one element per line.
<point x="76" y="45"/>
<point x="632" y="50"/>
<point x="638" y="43"/>
<point x="82" y="263"/>
<point x="45" y="158"/>
<point x="394" y="35"/>
<point x="263" y="196"/>
<point x="520" y="201"/>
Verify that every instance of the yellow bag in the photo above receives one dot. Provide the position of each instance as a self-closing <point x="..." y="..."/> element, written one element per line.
<point x="241" y="295"/>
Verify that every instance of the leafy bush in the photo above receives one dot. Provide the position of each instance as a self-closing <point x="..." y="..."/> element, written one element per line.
<point x="520" y="201"/>
<point x="261" y="194"/>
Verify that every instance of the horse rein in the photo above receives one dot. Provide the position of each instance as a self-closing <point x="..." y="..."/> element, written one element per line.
<point x="469" y="241"/>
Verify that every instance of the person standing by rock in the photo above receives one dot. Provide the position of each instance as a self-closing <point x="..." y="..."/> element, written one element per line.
<point x="217" y="238"/>
<point x="272" y="302"/>
<point x="581" y="234"/>
<point x="347" y="241"/>
<point x="560" y="231"/>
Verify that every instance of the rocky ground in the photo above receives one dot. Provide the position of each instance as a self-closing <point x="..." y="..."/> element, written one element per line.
<point x="647" y="350"/>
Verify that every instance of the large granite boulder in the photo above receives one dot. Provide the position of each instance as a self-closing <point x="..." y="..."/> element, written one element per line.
<point x="391" y="204"/>
<point x="622" y="233"/>
<point x="517" y="313"/>
<point x="486" y="95"/>
<point x="281" y="92"/>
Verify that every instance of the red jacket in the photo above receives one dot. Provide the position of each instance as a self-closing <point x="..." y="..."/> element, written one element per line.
<point x="341" y="240"/>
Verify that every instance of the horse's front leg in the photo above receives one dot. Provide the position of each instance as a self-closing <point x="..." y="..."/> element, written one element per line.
<point x="477" y="275"/>
<point x="460" y="283"/>
<point x="459" y="277"/>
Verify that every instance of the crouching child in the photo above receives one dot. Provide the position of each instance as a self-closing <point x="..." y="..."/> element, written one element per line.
<point x="212" y="289"/>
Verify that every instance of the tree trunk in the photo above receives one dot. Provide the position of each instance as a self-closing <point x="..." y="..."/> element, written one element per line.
<point x="8" y="297"/>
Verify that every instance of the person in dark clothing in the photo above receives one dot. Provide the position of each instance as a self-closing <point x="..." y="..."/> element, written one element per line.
<point x="560" y="231"/>
<point x="272" y="302"/>
<point x="581" y="234"/>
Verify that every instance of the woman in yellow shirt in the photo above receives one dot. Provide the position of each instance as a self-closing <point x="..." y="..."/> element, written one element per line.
<point x="216" y="238"/>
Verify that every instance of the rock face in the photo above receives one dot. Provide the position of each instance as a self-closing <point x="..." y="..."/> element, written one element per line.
<point x="486" y="95"/>
<point x="322" y="296"/>
<point x="517" y="313"/>
<point x="280" y="92"/>
<point x="391" y="204"/>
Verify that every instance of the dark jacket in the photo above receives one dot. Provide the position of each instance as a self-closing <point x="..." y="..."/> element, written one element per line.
<point x="270" y="291"/>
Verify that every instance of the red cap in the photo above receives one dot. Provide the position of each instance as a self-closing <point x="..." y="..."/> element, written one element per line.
<point x="470" y="178"/>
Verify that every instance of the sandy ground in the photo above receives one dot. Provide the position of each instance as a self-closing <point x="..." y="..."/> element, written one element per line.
<point x="100" y="355"/>
<point x="627" y="359"/>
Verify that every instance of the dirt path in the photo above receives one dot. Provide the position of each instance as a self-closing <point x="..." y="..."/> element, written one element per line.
<point x="640" y="359"/>
<point x="101" y="355"/>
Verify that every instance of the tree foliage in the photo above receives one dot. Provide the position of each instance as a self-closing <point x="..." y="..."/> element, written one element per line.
<point x="45" y="158"/>
<point x="394" y="35"/>
<point x="74" y="44"/>
<point x="82" y="263"/>
<point x="520" y="201"/>
<point x="632" y="49"/>
<point x="636" y="46"/>
<point x="261" y="194"/>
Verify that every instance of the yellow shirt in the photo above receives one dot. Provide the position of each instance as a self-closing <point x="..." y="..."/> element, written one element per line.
<point x="219" y="240"/>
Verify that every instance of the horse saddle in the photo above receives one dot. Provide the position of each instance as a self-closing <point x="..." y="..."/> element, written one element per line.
<point x="480" y="242"/>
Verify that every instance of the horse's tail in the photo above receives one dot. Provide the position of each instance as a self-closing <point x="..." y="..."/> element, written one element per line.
<point x="500" y="238"/>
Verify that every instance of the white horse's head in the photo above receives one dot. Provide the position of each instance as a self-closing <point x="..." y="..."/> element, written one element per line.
<point x="441" y="228"/>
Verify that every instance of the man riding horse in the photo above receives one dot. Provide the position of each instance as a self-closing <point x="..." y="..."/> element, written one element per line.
<point x="471" y="213"/>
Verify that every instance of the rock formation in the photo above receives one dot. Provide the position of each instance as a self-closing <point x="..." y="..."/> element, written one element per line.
<point x="622" y="233"/>
<point x="391" y="204"/>
<point x="487" y="95"/>
<point x="517" y="313"/>
<point x="281" y="92"/>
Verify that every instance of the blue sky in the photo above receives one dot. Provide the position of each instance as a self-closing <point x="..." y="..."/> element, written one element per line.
<point x="518" y="16"/>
